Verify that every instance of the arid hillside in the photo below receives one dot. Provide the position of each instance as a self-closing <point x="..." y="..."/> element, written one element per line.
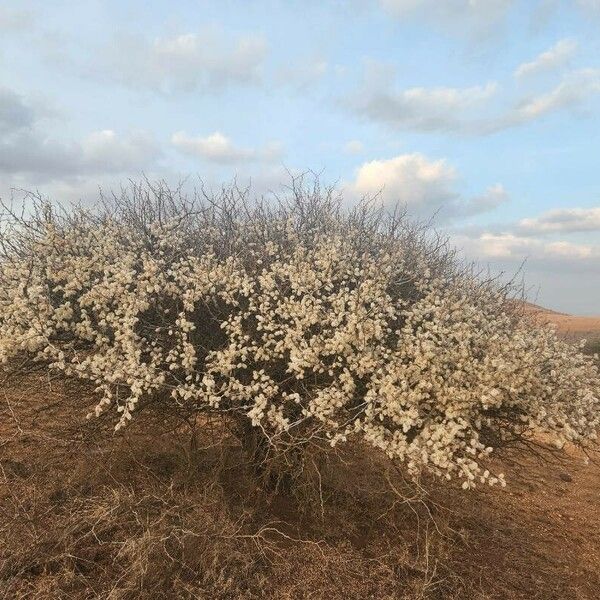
<point x="85" y="513"/>
<point x="572" y="327"/>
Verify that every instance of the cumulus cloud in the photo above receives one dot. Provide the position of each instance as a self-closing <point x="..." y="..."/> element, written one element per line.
<point x="517" y="248"/>
<point x="423" y="109"/>
<point x="79" y="188"/>
<point x="525" y="240"/>
<point x="107" y="151"/>
<point x="551" y="59"/>
<point x="422" y="185"/>
<point x="575" y="90"/>
<point x="570" y="93"/>
<point x="32" y="153"/>
<point x="492" y="198"/>
<point x="207" y="61"/>
<point x="467" y="111"/>
<point x="45" y="158"/>
<point x="218" y="148"/>
<point x="563" y="220"/>
<point x="26" y="150"/>
<point x="559" y="274"/>
<point x="410" y="179"/>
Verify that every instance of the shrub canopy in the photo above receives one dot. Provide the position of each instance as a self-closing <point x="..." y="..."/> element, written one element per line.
<point x="315" y="324"/>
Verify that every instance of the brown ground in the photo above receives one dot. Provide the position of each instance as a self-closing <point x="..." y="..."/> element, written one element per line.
<point x="571" y="326"/>
<point x="85" y="513"/>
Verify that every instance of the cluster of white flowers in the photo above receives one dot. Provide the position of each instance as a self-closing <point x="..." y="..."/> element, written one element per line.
<point x="322" y="327"/>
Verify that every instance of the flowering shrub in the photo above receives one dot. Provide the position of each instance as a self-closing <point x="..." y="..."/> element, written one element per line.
<point x="311" y="324"/>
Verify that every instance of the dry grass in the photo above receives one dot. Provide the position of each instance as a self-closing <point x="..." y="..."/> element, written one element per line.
<point x="87" y="514"/>
<point x="572" y="327"/>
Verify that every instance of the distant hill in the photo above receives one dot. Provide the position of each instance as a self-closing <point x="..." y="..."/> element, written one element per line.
<point x="571" y="326"/>
<point x="530" y="307"/>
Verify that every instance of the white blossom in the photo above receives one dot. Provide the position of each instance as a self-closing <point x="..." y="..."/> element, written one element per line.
<point x="329" y="331"/>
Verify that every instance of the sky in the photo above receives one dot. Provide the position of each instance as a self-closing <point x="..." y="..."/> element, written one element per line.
<point x="483" y="114"/>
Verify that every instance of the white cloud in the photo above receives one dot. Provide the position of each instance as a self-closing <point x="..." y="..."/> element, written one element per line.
<point x="423" y="109"/>
<point x="563" y="220"/>
<point x="354" y="147"/>
<point x="559" y="274"/>
<point x="209" y="60"/>
<point x="509" y="245"/>
<point x="517" y="248"/>
<point x="15" y="113"/>
<point x="571" y="92"/>
<point x="571" y="250"/>
<point x="107" y="151"/>
<point x="423" y="185"/>
<point x="409" y="179"/>
<point x="79" y="188"/>
<point x="218" y="148"/>
<point x="466" y="111"/>
<point x="551" y="59"/>
<point x="45" y="159"/>
<point x="469" y="14"/>
<point x="492" y="198"/>
<point x="497" y="245"/>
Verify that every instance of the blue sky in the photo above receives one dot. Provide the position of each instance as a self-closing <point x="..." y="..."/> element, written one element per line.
<point x="484" y="112"/>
